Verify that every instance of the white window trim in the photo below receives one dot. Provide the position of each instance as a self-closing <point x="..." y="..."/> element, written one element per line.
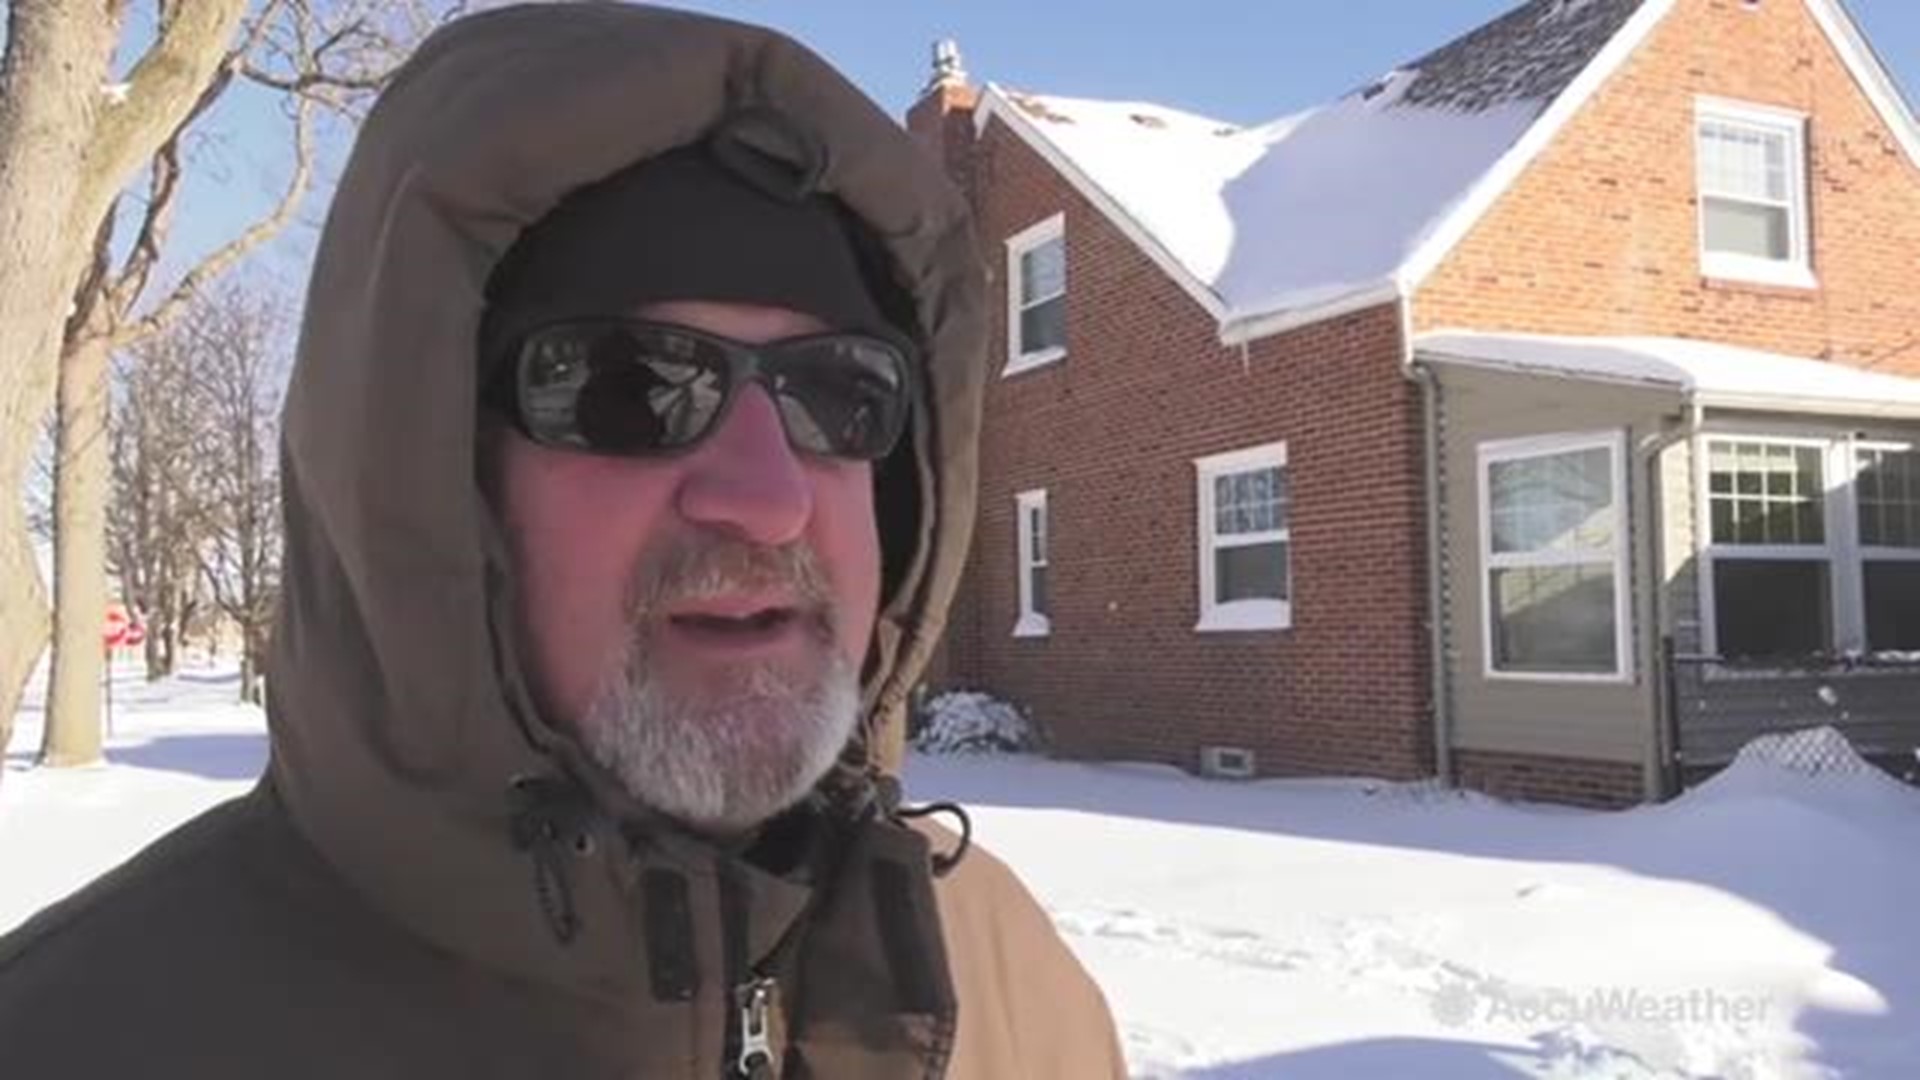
<point x="1795" y="271"/>
<point x="1496" y="451"/>
<point x="1053" y="228"/>
<point x="1846" y="556"/>
<point x="1030" y="623"/>
<point x="1874" y="552"/>
<point x="1238" y="615"/>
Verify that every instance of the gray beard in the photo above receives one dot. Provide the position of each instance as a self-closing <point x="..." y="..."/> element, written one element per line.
<point x="725" y="761"/>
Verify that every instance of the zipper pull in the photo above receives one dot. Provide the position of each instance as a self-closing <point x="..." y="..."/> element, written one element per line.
<point x="757" y="1002"/>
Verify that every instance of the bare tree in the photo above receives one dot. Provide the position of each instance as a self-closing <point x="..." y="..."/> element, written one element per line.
<point x="240" y="375"/>
<point x="70" y="138"/>
<point x="317" y="56"/>
<point x="157" y="518"/>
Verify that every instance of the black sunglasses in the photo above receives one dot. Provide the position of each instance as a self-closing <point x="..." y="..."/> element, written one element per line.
<point x="634" y="388"/>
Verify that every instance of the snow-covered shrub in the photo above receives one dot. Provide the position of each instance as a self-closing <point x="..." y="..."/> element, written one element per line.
<point x="968" y="722"/>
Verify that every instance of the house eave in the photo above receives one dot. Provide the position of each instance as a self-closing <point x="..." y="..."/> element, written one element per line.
<point x="1796" y="405"/>
<point x="1246" y="329"/>
<point x="994" y="103"/>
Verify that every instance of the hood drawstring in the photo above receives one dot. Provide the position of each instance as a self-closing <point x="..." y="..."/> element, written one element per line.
<point x="888" y="795"/>
<point x="552" y="817"/>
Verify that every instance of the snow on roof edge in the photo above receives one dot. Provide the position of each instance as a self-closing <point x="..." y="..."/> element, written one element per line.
<point x="1011" y="114"/>
<point x="1709" y="373"/>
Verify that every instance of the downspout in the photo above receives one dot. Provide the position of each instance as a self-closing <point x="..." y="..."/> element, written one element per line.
<point x="1653" y="653"/>
<point x="1436" y="560"/>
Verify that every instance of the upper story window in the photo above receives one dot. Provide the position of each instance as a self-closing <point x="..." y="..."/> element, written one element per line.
<point x="1037" y="295"/>
<point x="1752" y="172"/>
<point x="1246" y="581"/>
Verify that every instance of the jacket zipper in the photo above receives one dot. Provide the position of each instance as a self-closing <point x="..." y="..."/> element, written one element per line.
<point x="749" y="1053"/>
<point x="755" y="1030"/>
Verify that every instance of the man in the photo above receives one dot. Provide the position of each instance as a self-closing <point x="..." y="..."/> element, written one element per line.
<point x="629" y="465"/>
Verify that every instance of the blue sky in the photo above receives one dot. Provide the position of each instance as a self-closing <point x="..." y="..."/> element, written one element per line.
<point x="1240" y="61"/>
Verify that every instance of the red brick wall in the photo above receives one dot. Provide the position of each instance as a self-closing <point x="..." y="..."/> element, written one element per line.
<point x="1111" y="432"/>
<point x="1603" y="785"/>
<point x="1599" y="235"/>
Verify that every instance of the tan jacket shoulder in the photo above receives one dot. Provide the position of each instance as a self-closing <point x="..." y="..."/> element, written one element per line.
<point x="1028" y="1009"/>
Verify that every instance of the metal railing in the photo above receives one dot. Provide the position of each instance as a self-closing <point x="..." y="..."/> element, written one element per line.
<point x="1715" y="705"/>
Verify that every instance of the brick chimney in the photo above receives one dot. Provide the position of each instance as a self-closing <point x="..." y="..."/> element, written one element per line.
<point x="943" y="117"/>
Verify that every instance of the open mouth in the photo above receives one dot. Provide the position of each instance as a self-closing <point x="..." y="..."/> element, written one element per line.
<point x="762" y="628"/>
<point x="765" y="619"/>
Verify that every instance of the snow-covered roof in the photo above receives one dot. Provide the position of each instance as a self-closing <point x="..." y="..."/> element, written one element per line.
<point x="1355" y="201"/>
<point x="1332" y="202"/>
<point x="1705" y="372"/>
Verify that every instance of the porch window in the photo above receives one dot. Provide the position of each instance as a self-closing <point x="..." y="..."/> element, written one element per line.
<point x="1037" y="295"/>
<point x="1751" y="164"/>
<point x="1031" y="534"/>
<point x="1245" y="540"/>
<point x="1553" y="541"/>
<point x="1772" y="566"/>
<point x="1887" y="480"/>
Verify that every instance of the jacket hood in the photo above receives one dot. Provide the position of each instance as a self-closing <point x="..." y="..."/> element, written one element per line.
<point x="399" y="714"/>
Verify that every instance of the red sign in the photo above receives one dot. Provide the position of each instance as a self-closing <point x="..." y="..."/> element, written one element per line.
<point x="119" y="623"/>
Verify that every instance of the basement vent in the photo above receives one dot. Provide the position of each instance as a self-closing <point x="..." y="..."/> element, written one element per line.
<point x="1226" y="762"/>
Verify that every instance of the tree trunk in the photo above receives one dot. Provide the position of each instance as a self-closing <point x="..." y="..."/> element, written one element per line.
<point x="23" y="613"/>
<point x="56" y="61"/>
<point x="66" y="150"/>
<point x="73" y="732"/>
<point x="150" y="650"/>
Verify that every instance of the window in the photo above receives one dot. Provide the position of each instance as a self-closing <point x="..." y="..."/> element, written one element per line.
<point x="1751" y="166"/>
<point x="1245" y="545"/>
<point x="1554" y="542"/>
<point x="1887" y="480"/>
<point x="1031" y="543"/>
<point x="1770" y="562"/>
<point x="1037" y="295"/>
<point x="1812" y="545"/>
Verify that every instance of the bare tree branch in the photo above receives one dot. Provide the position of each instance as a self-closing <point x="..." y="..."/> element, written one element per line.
<point x="235" y="249"/>
<point x="94" y="286"/>
<point x="163" y="188"/>
<point x="163" y="86"/>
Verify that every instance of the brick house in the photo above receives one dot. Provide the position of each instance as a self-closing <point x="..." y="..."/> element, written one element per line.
<point x="1542" y="415"/>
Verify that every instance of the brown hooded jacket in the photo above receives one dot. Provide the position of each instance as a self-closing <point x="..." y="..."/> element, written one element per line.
<point x="430" y="881"/>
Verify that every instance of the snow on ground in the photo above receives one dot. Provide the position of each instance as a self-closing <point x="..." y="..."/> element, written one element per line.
<point x="1758" y="928"/>
<point x="1308" y="929"/>
<point x="178" y="748"/>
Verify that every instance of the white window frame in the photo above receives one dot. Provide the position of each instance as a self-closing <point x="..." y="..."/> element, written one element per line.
<point x="1493" y="452"/>
<point x="1865" y="553"/>
<point x="1031" y="623"/>
<point x="1018" y="245"/>
<point x="1795" y="271"/>
<point x="1845" y="551"/>
<point x="1239" y="615"/>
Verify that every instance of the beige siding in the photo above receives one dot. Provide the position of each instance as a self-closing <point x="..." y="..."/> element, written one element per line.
<point x="1603" y="721"/>
<point x="1679" y="523"/>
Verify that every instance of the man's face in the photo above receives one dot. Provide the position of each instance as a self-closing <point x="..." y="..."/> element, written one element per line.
<point x="698" y="621"/>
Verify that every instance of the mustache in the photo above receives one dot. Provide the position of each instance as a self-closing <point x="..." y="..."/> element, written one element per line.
<point x="703" y="565"/>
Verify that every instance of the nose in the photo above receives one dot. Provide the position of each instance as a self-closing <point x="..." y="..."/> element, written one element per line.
<point x="745" y="479"/>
